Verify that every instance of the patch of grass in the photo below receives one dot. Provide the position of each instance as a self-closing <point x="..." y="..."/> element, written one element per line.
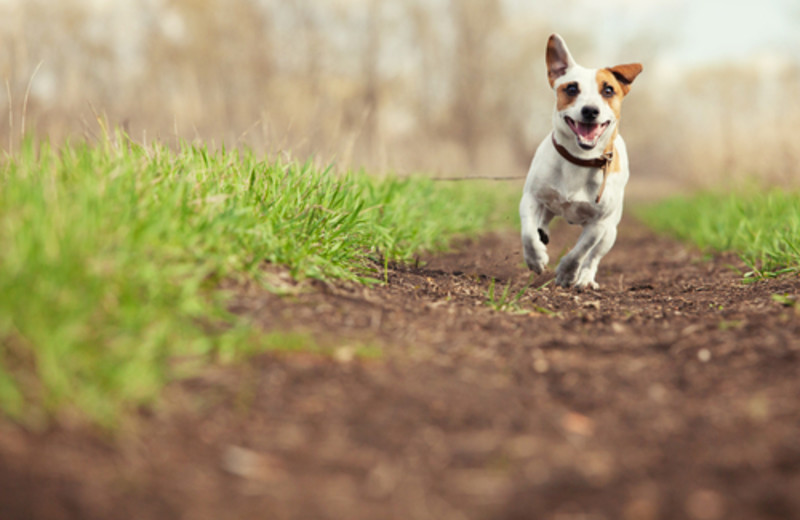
<point x="112" y="254"/>
<point x="547" y="312"/>
<point x="505" y="301"/>
<point x="730" y="325"/>
<point x="786" y="300"/>
<point x="762" y="227"/>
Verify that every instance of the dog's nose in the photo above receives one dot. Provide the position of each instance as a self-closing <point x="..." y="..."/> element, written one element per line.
<point x="590" y="113"/>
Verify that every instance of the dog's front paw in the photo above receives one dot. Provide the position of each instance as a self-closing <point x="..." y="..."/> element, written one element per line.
<point x="536" y="260"/>
<point x="538" y="266"/>
<point x="585" y="280"/>
<point x="587" y="285"/>
<point x="567" y="272"/>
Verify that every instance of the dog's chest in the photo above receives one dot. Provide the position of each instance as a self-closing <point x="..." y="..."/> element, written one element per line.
<point x="573" y="207"/>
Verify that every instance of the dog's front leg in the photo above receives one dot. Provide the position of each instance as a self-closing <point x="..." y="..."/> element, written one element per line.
<point x="571" y="266"/>
<point x="534" y="218"/>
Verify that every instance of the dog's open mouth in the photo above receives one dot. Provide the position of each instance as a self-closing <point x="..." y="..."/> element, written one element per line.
<point x="587" y="133"/>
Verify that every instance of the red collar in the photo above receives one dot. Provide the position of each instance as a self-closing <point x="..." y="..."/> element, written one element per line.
<point x="598" y="162"/>
<point x="604" y="162"/>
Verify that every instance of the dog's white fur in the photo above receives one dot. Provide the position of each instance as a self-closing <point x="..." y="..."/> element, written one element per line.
<point x="557" y="187"/>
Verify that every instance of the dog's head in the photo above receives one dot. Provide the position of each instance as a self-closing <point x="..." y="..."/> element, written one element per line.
<point x="588" y="101"/>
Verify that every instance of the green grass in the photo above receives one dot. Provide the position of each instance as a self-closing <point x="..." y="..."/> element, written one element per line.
<point x="505" y="300"/>
<point x="112" y="255"/>
<point x="763" y="227"/>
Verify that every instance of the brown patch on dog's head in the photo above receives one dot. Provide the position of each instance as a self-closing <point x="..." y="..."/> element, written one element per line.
<point x="614" y="83"/>
<point x="625" y="74"/>
<point x="558" y="58"/>
<point x="611" y="90"/>
<point x="566" y="95"/>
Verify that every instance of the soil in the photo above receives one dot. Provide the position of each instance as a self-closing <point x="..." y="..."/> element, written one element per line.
<point x="669" y="393"/>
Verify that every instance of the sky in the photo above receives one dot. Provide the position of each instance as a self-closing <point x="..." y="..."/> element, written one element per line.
<point x="687" y="32"/>
<point x="730" y="30"/>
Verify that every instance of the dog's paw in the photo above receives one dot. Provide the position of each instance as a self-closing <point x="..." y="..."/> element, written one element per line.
<point x="537" y="266"/>
<point x="535" y="260"/>
<point x="591" y="284"/>
<point x="585" y="280"/>
<point x="567" y="272"/>
<point x="565" y="281"/>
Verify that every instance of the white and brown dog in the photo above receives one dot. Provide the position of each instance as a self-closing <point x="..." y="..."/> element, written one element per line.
<point x="580" y="170"/>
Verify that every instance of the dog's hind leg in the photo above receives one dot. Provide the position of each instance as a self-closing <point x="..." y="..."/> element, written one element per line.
<point x="535" y="219"/>
<point x="588" y="269"/>
<point x="574" y="262"/>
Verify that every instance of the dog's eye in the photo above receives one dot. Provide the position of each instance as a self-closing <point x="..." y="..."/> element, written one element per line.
<point x="608" y="91"/>
<point x="572" y="89"/>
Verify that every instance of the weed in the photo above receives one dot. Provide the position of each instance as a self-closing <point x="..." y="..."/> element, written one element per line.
<point x="762" y="227"/>
<point x="730" y="324"/>
<point x="785" y="300"/>
<point x="113" y="253"/>
<point x="505" y="301"/>
<point x="547" y="312"/>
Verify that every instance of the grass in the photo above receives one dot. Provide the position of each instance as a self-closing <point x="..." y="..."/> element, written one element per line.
<point x="763" y="227"/>
<point x="112" y="254"/>
<point x="505" y="301"/>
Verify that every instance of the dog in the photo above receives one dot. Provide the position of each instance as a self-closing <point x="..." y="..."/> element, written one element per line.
<point x="580" y="170"/>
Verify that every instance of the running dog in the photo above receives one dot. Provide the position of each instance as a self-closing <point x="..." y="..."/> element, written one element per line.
<point x="580" y="170"/>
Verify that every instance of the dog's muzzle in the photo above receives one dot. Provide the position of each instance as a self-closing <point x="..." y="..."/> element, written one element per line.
<point x="588" y="133"/>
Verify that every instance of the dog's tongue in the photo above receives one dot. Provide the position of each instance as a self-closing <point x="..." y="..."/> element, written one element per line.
<point x="588" y="131"/>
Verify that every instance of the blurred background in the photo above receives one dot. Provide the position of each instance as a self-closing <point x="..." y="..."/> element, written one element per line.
<point x="447" y="87"/>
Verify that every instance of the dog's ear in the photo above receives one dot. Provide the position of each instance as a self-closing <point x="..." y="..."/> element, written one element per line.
<point x="559" y="60"/>
<point x="625" y="74"/>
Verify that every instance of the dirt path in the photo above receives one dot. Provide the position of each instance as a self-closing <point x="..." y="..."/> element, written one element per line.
<point x="671" y="393"/>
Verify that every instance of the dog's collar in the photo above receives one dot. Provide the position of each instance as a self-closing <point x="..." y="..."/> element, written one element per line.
<point x="603" y="162"/>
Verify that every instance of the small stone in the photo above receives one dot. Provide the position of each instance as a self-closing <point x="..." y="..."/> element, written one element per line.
<point x="344" y="354"/>
<point x="704" y="355"/>
<point x="578" y="424"/>
<point x="758" y="408"/>
<point x="251" y="465"/>
<point x="618" y="328"/>
<point x="692" y="329"/>
<point x="541" y="366"/>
